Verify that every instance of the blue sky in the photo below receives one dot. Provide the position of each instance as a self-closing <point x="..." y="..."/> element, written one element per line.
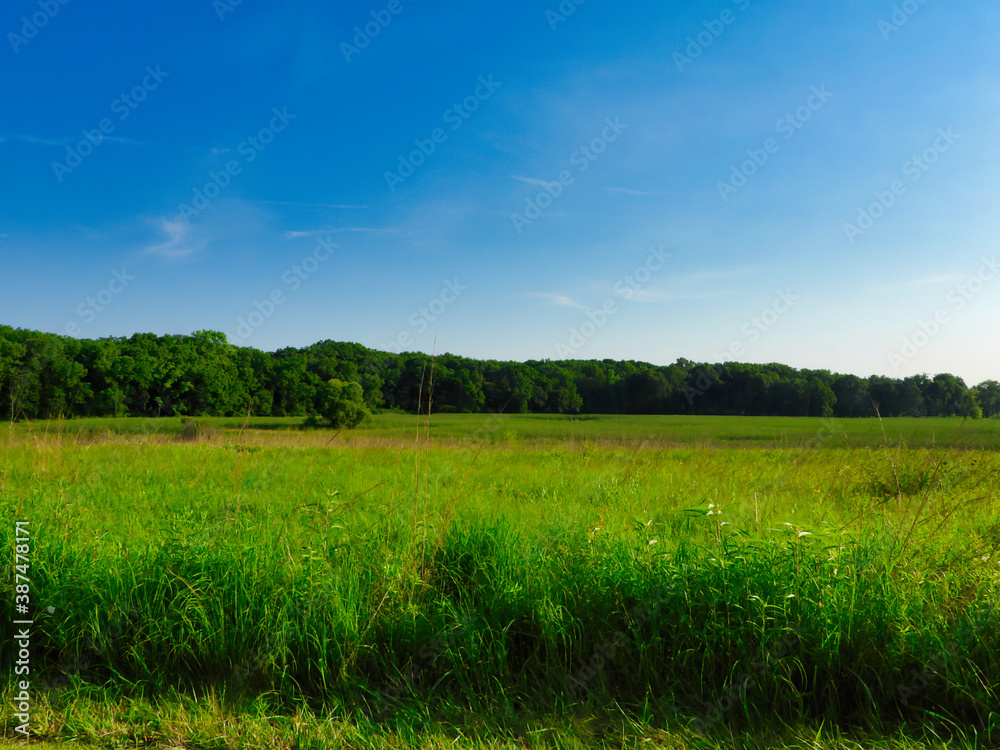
<point x="808" y="183"/>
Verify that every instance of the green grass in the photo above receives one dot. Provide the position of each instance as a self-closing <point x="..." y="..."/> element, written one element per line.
<point x="558" y="429"/>
<point x="516" y="581"/>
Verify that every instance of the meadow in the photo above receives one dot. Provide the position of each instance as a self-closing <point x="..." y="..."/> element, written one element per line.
<point x="505" y="581"/>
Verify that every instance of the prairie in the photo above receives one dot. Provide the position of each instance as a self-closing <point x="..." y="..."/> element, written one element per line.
<point x="508" y="581"/>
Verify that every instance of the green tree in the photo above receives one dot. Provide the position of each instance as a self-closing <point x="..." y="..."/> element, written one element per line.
<point x="852" y="397"/>
<point x="970" y="405"/>
<point x="11" y="356"/>
<point x="255" y="373"/>
<point x="341" y="404"/>
<point x="98" y="358"/>
<point x="946" y="395"/>
<point x="821" y="398"/>
<point x="884" y="394"/>
<point x="215" y="387"/>
<point x="989" y="397"/>
<point x="293" y="387"/>
<point x="646" y="392"/>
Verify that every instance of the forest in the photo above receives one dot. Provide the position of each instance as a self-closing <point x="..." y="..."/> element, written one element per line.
<point x="46" y="376"/>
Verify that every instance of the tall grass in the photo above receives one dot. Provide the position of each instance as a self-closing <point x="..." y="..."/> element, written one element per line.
<point x="555" y="430"/>
<point x="722" y="589"/>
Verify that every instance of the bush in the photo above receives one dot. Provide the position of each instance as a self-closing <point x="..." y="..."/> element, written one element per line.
<point x="341" y="404"/>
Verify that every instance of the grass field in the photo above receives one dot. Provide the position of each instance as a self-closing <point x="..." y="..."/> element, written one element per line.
<point x="508" y="581"/>
<point x="533" y="429"/>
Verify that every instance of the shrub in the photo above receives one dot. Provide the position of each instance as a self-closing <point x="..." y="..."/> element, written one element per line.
<point x="341" y="404"/>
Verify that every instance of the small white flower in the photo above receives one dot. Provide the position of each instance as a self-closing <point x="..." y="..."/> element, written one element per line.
<point x="651" y="542"/>
<point x="805" y="533"/>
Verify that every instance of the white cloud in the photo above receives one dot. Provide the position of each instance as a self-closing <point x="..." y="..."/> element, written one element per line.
<point x="640" y="295"/>
<point x="532" y="181"/>
<point x="69" y="140"/>
<point x="937" y="279"/>
<point x="556" y="299"/>
<point x="291" y="235"/>
<point x="629" y="191"/>
<point x="182" y="239"/>
<point x="314" y="205"/>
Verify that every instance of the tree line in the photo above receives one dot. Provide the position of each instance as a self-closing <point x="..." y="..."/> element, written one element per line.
<point x="45" y="376"/>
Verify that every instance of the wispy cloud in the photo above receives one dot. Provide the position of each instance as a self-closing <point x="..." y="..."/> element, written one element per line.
<point x="722" y="273"/>
<point x="35" y="140"/>
<point x="181" y="239"/>
<point x="315" y="205"/>
<point x="630" y="191"/>
<point x="323" y="232"/>
<point x="68" y="140"/>
<point x="648" y="297"/>
<point x="556" y="299"/>
<point x="945" y="278"/>
<point x="639" y="295"/>
<point x="532" y="181"/>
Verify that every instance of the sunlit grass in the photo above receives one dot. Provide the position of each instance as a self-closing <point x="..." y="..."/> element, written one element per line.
<point x="514" y="431"/>
<point x="426" y="588"/>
